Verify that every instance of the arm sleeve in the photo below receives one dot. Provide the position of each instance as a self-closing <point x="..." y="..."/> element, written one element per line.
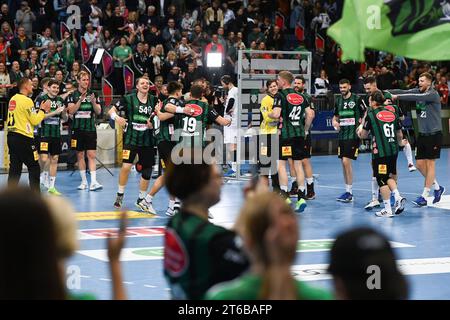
<point x="230" y="104"/>
<point x="277" y="101"/>
<point x="212" y="115"/>
<point x="228" y="258"/>
<point x="430" y="95"/>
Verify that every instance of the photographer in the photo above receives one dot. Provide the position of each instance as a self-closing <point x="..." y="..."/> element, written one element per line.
<point x="230" y="133"/>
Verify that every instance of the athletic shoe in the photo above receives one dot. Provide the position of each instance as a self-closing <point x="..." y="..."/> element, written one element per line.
<point x="54" y="192"/>
<point x="420" y="201"/>
<point x="300" y="205"/>
<point x="438" y="194"/>
<point x="411" y="167"/>
<point x="399" y="205"/>
<point x="45" y="184"/>
<point x="345" y="197"/>
<point x="285" y="196"/>
<point x="230" y="174"/>
<point x="294" y="189"/>
<point x="310" y="194"/>
<point x="170" y="212"/>
<point x="95" y="186"/>
<point x="384" y="213"/>
<point x="210" y="215"/>
<point x="82" y="186"/>
<point x="145" y="206"/>
<point x="119" y="201"/>
<point x="372" y="204"/>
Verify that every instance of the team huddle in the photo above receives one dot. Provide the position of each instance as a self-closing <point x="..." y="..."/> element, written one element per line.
<point x="177" y="124"/>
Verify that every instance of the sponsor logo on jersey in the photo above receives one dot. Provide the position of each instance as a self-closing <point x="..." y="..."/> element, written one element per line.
<point x="294" y="99"/>
<point x="390" y="108"/>
<point x="12" y="105"/>
<point x="386" y="116"/>
<point x="175" y="255"/>
<point x="351" y="104"/>
<point x="197" y="110"/>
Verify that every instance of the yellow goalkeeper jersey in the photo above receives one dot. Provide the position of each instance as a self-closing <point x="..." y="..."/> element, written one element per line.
<point x="21" y="117"/>
<point x="268" y="125"/>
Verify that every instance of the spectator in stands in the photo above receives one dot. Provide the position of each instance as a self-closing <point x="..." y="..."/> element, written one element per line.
<point x="140" y="62"/>
<point x="122" y="55"/>
<point x="275" y="39"/>
<point x="36" y="90"/>
<point x="172" y="14"/>
<point x="171" y="35"/>
<point x="4" y="49"/>
<point x="69" y="45"/>
<point x="442" y="89"/>
<point x="151" y="18"/>
<point x="7" y="32"/>
<point x="353" y="254"/>
<point x="107" y="40"/>
<point x="269" y="230"/>
<point x="199" y="38"/>
<point x="44" y="12"/>
<point x="321" y="84"/>
<point x="19" y="43"/>
<point x="214" y="17"/>
<point x="386" y="79"/>
<point x="92" y="38"/>
<point x="73" y="74"/>
<point x="25" y="18"/>
<point x="154" y="61"/>
<point x="228" y="16"/>
<point x="170" y="63"/>
<point x="5" y="84"/>
<point x="117" y="24"/>
<point x="23" y="63"/>
<point x="43" y="41"/>
<point x="95" y="13"/>
<point x="35" y="65"/>
<point x="15" y="75"/>
<point x="256" y="35"/>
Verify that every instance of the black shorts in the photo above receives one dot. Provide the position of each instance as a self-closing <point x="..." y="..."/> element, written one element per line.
<point x="429" y="147"/>
<point x="22" y="150"/>
<point x="83" y="140"/>
<point x="293" y="148"/>
<point x="348" y="149"/>
<point x="165" y="152"/>
<point x="266" y="158"/>
<point x="50" y="146"/>
<point x="383" y="168"/>
<point x="308" y="147"/>
<point x="146" y="155"/>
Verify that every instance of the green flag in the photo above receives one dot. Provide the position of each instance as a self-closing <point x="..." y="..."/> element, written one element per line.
<point x="417" y="29"/>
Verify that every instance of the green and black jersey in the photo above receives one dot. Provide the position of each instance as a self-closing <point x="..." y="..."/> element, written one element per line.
<point x="137" y="133"/>
<point x="383" y="124"/>
<point x="293" y="109"/>
<point x="191" y="130"/>
<point x="199" y="254"/>
<point x="350" y="112"/>
<point x="50" y="127"/>
<point x="311" y="106"/>
<point x="84" y="118"/>
<point x="163" y="130"/>
<point x="387" y="95"/>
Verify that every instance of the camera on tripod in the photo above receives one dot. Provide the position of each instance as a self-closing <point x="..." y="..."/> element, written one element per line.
<point x="219" y="92"/>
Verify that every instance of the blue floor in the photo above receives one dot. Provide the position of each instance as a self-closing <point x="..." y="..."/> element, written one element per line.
<point x="419" y="233"/>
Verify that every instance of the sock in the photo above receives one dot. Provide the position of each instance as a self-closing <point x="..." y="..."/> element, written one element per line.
<point x="171" y="204"/>
<point x="177" y="203"/>
<point x="44" y="176"/>
<point x="93" y="177"/>
<point x="52" y="182"/>
<point x="396" y="194"/>
<point x="234" y="166"/>
<point x="83" y="176"/>
<point x="142" y="194"/>
<point x="425" y="192"/>
<point x="387" y="205"/>
<point x="348" y="188"/>
<point x="149" y="198"/>
<point x="309" y="181"/>
<point x="301" y="188"/>
<point x="284" y="188"/>
<point x="121" y="189"/>
<point x="374" y="189"/>
<point x="436" y="185"/>
<point x="408" y="153"/>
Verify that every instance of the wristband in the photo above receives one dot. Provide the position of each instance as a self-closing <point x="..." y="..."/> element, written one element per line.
<point x="114" y="116"/>
<point x="179" y="110"/>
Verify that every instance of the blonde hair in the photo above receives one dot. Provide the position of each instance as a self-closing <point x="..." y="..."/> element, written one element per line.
<point x="287" y="76"/>
<point x="64" y="218"/>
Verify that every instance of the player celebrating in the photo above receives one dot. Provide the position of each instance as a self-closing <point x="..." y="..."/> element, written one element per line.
<point x="164" y="128"/>
<point x="137" y="138"/>
<point x="50" y="133"/>
<point x="429" y="141"/>
<point x="385" y="128"/>
<point x="294" y="108"/>
<point x="347" y="116"/>
<point x="299" y="86"/>
<point x="84" y="106"/>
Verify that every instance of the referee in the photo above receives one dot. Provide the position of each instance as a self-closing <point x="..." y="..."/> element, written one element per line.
<point x="21" y="121"/>
<point x="429" y="141"/>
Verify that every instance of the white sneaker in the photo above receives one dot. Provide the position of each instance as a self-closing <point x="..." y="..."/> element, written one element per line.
<point x="145" y="206"/>
<point x="399" y="205"/>
<point x="384" y="213"/>
<point x="411" y="167"/>
<point x="170" y="212"/>
<point x="82" y="186"/>
<point x="372" y="204"/>
<point x="95" y="186"/>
